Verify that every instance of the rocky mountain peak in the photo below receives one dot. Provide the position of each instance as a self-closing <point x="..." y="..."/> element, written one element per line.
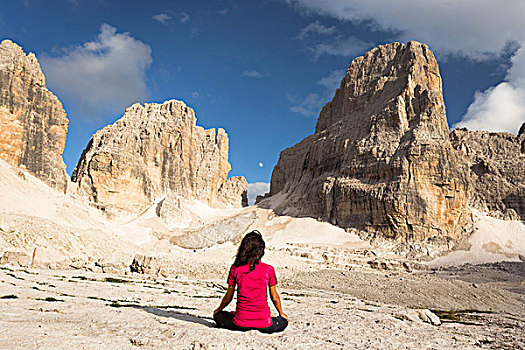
<point x="33" y="123"/>
<point x="380" y="158"/>
<point x="522" y="130"/>
<point x="154" y="151"/>
<point x="14" y="59"/>
<point x="378" y="78"/>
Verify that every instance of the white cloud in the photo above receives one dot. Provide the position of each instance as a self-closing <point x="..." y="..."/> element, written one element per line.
<point x="310" y="105"/>
<point x="340" y="46"/>
<point x="332" y="81"/>
<point x="477" y="29"/>
<point x="502" y="107"/>
<point x="224" y="12"/>
<point x="315" y="28"/>
<point x="163" y="18"/>
<point x="184" y="17"/>
<point x="167" y="17"/>
<point x="106" y="74"/>
<point x="470" y="27"/>
<point x="255" y="189"/>
<point x="252" y="73"/>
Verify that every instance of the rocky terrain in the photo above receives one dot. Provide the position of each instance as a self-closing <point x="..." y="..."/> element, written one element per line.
<point x="497" y="170"/>
<point x="154" y="151"/>
<point x="380" y="159"/>
<point x="34" y="216"/>
<point x="33" y="124"/>
<point x="61" y="309"/>
<point x="135" y="251"/>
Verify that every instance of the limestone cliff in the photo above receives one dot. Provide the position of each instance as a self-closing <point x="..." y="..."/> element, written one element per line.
<point x="380" y="158"/>
<point x="497" y="170"/>
<point x="33" y="124"/>
<point x="153" y="151"/>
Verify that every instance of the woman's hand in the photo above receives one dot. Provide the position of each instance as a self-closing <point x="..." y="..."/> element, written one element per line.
<point x="217" y="310"/>
<point x="274" y="296"/>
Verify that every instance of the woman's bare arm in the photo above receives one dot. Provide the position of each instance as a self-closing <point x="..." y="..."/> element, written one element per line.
<point x="276" y="300"/>
<point x="226" y="299"/>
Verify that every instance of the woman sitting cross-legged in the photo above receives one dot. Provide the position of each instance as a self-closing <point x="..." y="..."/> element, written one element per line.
<point x="253" y="278"/>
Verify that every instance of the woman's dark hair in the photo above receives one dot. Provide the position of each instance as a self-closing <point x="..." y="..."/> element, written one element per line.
<point x="251" y="250"/>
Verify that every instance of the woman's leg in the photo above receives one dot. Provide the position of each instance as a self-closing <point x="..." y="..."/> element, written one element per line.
<point x="224" y="319"/>
<point x="279" y="324"/>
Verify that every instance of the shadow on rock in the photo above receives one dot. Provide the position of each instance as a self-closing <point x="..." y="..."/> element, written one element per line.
<point x="182" y="316"/>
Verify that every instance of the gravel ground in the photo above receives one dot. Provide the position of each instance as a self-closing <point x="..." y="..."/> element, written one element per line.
<point x="52" y="309"/>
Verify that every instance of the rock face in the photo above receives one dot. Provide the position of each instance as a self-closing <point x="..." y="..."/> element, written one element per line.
<point x="145" y="264"/>
<point x="153" y="151"/>
<point x="497" y="170"/>
<point x="234" y="191"/>
<point x="380" y="158"/>
<point x="33" y="123"/>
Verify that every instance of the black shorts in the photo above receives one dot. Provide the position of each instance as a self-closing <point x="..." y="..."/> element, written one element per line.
<point x="224" y="319"/>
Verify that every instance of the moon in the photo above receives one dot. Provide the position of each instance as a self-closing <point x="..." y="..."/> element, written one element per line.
<point x="261" y="165"/>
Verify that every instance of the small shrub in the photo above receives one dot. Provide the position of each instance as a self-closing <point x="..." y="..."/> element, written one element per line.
<point x="51" y="299"/>
<point x="116" y="280"/>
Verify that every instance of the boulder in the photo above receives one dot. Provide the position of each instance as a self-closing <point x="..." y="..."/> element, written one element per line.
<point x="15" y="257"/>
<point x="145" y="264"/>
<point x="419" y="315"/>
<point x="234" y="192"/>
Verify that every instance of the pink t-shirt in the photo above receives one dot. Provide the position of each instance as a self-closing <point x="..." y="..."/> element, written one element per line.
<point x="252" y="305"/>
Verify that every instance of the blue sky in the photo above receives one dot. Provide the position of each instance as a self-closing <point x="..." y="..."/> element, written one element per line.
<point x="261" y="69"/>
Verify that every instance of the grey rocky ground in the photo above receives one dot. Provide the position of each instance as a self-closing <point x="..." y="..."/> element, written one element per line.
<point x="328" y="308"/>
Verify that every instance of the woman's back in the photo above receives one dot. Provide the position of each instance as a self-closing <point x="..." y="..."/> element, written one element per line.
<point x="254" y="279"/>
<point x="252" y="306"/>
